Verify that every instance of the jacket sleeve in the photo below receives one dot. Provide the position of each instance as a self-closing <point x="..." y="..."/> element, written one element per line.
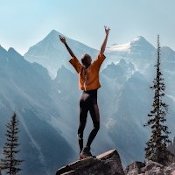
<point x="76" y="64"/>
<point x="99" y="60"/>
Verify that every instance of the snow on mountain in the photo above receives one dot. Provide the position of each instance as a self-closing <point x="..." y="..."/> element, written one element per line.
<point x="120" y="47"/>
<point x="138" y="51"/>
<point x="139" y="44"/>
<point x="51" y="53"/>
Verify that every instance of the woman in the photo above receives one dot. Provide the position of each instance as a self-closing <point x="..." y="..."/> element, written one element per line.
<point x="89" y="83"/>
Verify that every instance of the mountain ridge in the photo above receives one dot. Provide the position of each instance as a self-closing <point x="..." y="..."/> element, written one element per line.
<point x="51" y="53"/>
<point x="52" y="104"/>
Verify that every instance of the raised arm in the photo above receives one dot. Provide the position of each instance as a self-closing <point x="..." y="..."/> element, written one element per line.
<point x="63" y="40"/>
<point x="103" y="47"/>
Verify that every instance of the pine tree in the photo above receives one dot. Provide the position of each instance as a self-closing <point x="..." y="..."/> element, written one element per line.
<point x="10" y="162"/>
<point x="156" y="148"/>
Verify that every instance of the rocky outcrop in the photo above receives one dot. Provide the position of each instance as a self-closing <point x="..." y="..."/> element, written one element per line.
<point x="134" y="168"/>
<point x="150" y="168"/>
<point x="108" y="163"/>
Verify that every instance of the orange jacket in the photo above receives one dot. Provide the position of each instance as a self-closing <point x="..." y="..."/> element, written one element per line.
<point x="88" y="78"/>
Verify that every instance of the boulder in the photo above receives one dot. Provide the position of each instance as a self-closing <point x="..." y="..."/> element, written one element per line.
<point x="108" y="163"/>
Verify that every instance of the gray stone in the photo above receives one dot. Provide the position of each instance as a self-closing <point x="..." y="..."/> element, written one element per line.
<point x="108" y="163"/>
<point x="155" y="171"/>
<point x="150" y="165"/>
<point x="172" y="173"/>
<point x="151" y="168"/>
<point x="170" y="169"/>
<point x="134" y="168"/>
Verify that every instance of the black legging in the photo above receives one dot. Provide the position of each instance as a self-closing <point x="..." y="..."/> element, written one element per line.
<point x="88" y="102"/>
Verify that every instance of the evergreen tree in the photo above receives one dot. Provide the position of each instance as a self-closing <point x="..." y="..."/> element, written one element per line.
<point x="156" y="148"/>
<point x="10" y="162"/>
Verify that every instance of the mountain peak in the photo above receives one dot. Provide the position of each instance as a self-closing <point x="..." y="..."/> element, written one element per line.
<point x="54" y="31"/>
<point x="139" y="41"/>
<point x="53" y="34"/>
<point x="11" y="49"/>
<point x="139" y="38"/>
<point x="51" y="37"/>
<point x="12" y="52"/>
<point x="141" y="44"/>
<point x="122" y="62"/>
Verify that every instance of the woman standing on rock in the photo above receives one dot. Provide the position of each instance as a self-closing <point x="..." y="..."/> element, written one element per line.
<point x="89" y="83"/>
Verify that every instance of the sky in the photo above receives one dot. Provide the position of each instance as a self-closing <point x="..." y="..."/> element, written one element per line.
<point x="23" y="23"/>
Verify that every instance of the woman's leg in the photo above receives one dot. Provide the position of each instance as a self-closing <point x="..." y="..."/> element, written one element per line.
<point x="95" y="115"/>
<point x="82" y="122"/>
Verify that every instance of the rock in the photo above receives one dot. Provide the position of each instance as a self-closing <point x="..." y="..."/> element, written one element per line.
<point x="173" y="173"/>
<point x="155" y="171"/>
<point x="151" y="168"/>
<point x="170" y="169"/>
<point x="150" y="165"/>
<point x="108" y="163"/>
<point x="134" y="168"/>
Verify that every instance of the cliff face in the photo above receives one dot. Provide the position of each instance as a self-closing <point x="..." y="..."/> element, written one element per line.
<point x="108" y="163"/>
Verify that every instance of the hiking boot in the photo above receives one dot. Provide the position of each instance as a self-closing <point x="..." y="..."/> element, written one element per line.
<point x="85" y="153"/>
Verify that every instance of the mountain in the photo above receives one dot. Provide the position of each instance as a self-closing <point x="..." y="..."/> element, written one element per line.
<point x="125" y="98"/>
<point x="127" y="128"/>
<point x="139" y="52"/>
<point x="26" y="88"/>
<point x="51" y="53"/>
<point x="137" y="45"/>
<point x="45" y="96"/>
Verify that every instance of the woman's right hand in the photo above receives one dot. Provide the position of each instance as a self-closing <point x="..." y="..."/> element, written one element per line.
<point x="62" y="39"/>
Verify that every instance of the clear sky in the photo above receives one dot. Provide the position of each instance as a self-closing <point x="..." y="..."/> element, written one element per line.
<point x="25" y="22"/>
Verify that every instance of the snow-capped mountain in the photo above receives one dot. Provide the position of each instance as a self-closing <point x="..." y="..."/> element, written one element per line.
<point x="48" y="107"/>
<point x="139" y="51"/>
<point x="139" y="45"/>
<point x="51" y="53"/>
